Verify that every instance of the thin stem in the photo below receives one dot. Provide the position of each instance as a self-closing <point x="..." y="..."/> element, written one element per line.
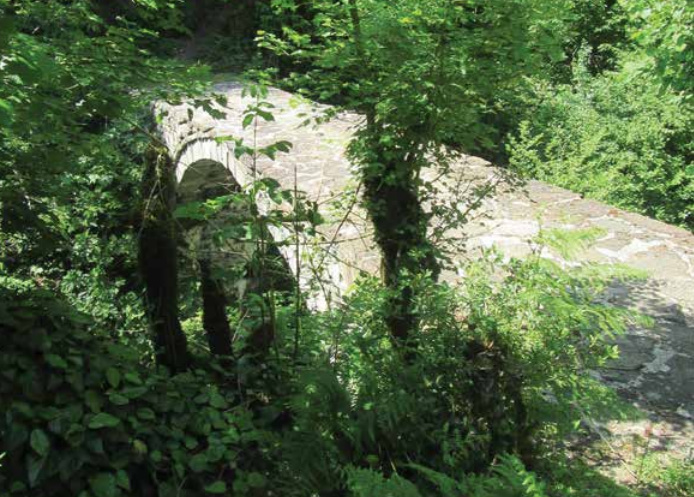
<point x="297" y="255"/>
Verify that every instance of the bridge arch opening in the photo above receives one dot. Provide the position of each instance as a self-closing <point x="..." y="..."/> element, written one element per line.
<point x="220" y="258"/>
<point x="219" y="243"/>
<point x="205" y="179"/>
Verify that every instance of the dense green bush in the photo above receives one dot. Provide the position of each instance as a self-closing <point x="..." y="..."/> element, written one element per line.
<point x="501" y="366"/>
<point x="664" y="30"/>
<point x="82" y="417"/>
<point x="619" y="137"/>
<point x="623" y="135"/>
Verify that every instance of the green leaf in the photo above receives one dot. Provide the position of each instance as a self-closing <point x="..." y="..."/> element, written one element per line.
<point x="218" y="487"/>
<point x="270" y="183"/>
<point x="190" y="442"/>
<point x="103" y="420"/>
<point x="118" y="399"/>
<point x="133" y="377"/>
<point x="104" y="485"/>
<point x="247" y="120"/>
<point x="146" y="413"/>
<point x="34" y="467"/>
<point x="93" y="400"/>
<point x="217" y="401"/>
<point x="56" y="361"/>
<point x="256" y="480"/>
<point x="266" y="115"/>
<point x="139" y="447"/>
<point x="39" y="442"/>
<point x="113" y="377"/>
<point x="198" y="463"/>
<point x="6" y="113"/>
<point x="224" y="139"/>
<point x="192" y="210"/>
<point x="283" y="146"/>
<point x="134" y="392"/>
<point x="122" y="480"/>
<point x="269" y="152"/>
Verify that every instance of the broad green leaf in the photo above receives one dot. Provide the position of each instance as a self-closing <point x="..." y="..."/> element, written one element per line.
<point x="113" y="377"/>
<point x="139" y="447"/>
<point x="6" y="113"/>
<point x="217" y="401"/>
<point x="122" y="480"/>
<point x="56" y="361"/>
<point x="266" y="115"/>
<point x="198" y="463"/>
<point x="103" y="420"/>
<point x="218" y="487"/>
<point x="34" y="466"/>
<point x="39" y="442"/>
<point x="283" y="146"/>
<point x="133" y="377"/>
<point x="146" y="413"/>
<point x="256" y="480"/>
<point x="134" y="392"/>
<point x="247" y="120"/>
<point x="93" y="400"/>
<point x="190" y="442"/>
<point x="192" y="210"/>
<point x="270" y="152"/>
<point x="104" y="485"/>
<point x="118" y="399"/>
<point x="156" y="456"/>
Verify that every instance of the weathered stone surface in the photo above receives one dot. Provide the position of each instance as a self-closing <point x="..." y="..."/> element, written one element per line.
<point x="634" y="353"/>
<point x="656" y="366"/>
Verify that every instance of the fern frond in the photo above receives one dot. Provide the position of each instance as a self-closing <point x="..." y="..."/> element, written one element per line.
<point x="369" y="483"/>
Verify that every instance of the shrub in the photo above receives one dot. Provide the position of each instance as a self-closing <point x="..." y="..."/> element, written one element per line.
<point x="82" y="417"/>
<point x="619" y="137"/>
<point x="502" y="366"/>
<point x="501" y="363"/>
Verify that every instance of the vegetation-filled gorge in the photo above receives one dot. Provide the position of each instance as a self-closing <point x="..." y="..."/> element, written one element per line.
<point x="155" y="343"/>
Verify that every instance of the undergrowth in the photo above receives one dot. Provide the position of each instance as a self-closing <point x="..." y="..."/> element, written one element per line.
<point x="501" y="370"/>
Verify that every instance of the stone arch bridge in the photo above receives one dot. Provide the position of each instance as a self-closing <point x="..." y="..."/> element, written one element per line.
<point x="657" y="366"/>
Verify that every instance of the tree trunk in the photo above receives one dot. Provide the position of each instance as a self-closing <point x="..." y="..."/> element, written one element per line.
<point x="392" y="200"/>
<point x="391" y="197"/>
<point x="158" y="260"/>
<point x="214" y="316"/>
